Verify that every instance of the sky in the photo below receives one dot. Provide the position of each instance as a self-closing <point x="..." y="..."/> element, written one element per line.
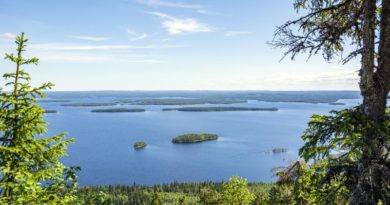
<point x="163" y="45"/>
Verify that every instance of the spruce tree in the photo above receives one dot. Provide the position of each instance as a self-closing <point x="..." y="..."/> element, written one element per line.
<point x="156" y="200"/>
<point x="30" y="170"/>
<point x="349" y="29"/>
<point x="236" y="192"/>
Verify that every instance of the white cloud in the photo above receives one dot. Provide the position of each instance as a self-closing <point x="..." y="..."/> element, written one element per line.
<point x="8" y="35"/>
<point x="109" y="53"/>
<point x="135" y="36"/>
<point x="160" y="3"/>
<point x="237" y="33"/>
<point x="184" y="25"/>
<point x="83" y="47"/>
<point x="208" y="12"/>
<point x="72" y="58"/>
<point x="95" y="56"/>
<point x="165" y="40"/>
<point x="332" y="79"/>
<point x="90" y="38"/>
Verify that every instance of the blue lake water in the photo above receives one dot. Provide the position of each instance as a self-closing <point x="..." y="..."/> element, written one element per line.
<point x="104" y="141"/>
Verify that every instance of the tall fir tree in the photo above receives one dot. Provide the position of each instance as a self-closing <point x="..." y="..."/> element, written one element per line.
<point x="30" y="170"/>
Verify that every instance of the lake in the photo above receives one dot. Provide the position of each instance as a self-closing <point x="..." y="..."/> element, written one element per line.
<point x="104" y="141"/>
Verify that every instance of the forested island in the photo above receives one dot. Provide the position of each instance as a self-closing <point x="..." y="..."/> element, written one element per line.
<point x="218" y="109"/>
<point x="88" y="104"/>
<point x="194" y="138"/>
<point x="139" y="145"/>
<point x="113" y="110"/>
<point x="279" y="150"/>
<point x="336" y="103"/>
<point x="182" y="101"/>
<point x="53" y="101"/>
<point x="50" y="111"/>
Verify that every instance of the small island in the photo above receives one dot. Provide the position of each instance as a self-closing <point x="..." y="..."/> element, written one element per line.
<point x="139" y="145"/>
<point x="53" y="101"/>
<point x="50" y="111"/>
<point x="194" y="138"/>
<point x="115" y="110"/>
<point x="336" y="103"/>
<point x="218" y="109"/>
<point x="279" y="150"/>
<point x="87" y="104"/>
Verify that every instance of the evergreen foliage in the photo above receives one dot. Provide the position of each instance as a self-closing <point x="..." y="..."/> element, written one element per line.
<point x="337" y="143"/>
<point x="236" y="192"/>
<point x="30" y="170"/>
<point x="200" y="193"/>
<point x="194" y="138"/>
<point x="359" y="136"/>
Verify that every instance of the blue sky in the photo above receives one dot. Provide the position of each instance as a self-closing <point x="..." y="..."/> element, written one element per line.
<point x="163" y="45"/>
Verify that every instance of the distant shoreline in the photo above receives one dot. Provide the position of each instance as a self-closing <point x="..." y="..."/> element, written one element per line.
<point x="117" y="110"/>
<point x="218" y="109"/>
<point x="206" y="97"/>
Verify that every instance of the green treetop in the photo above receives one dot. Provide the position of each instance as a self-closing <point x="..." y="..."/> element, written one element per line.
<point x="236" y="192"/>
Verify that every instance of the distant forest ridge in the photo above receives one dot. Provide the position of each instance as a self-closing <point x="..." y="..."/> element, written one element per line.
<point x="268" y="96"/>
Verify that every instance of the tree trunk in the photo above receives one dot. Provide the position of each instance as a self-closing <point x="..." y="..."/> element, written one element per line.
<point x="367" y="83"/>
<point x="383" y="75"/>
<point x="374" y="85"/>
<point x="383" y="72"/>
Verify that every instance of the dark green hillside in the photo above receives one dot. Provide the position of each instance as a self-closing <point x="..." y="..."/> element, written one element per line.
<point x="169" y="194"/>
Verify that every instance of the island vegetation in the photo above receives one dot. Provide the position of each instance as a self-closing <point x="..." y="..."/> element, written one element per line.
<point x="183" y="101"/>
<point x="93" y="104"/>
<point x="194" y="138"/>
<point x="50" y="111"/>
<point x="53" y="101"/>
<point x="336" y="103"/>
<point x="218" y="109"/>
<point x="140" y="145"/>
<point x="279" y="150"/>
<point x="115" y="110"/>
